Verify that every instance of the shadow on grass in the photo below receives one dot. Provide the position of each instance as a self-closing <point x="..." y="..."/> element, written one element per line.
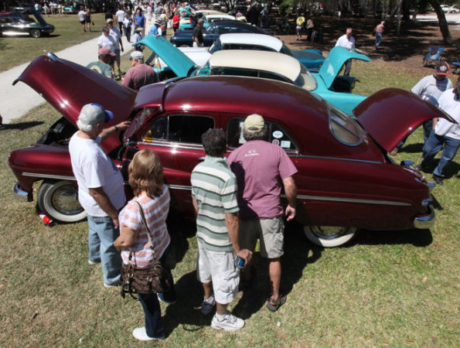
<point x="179" y="229"/>
<point x="451" y="170"/>
<point x="186" y="311"/>
<point x="418" y="238"/>
<point x="295" y="259"/>
<point x="20" y="126"/>
<point x="412" y="148"/>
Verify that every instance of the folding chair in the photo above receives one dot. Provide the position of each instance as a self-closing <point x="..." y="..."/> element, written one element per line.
<point x="433" y="56"/>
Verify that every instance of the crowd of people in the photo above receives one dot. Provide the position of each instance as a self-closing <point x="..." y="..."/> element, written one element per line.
<point x="234" y="207"/>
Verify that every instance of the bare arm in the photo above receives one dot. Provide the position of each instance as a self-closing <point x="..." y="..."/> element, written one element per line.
<point x="107" y="132"/>
<point x="231" y="220"/>
<point x="103" y="201"/>
<point x="126" y="239"/>
<point x="195" y="206"/>
<point x="290" y="189"/>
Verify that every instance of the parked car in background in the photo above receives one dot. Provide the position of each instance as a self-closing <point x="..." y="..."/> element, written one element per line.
<point x="184" y="37"/>
<point x="24" y="24"/>
<point x="312" y="59"/>
<point x="328" y="84"/>
<point x="345" y="179"/>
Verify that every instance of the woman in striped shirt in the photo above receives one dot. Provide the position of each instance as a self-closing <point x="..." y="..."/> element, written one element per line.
<point x="146" y="180"/>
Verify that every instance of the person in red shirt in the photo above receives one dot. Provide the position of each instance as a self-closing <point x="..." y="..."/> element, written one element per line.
<point x="139" y="74"/>
<point x="176" y="21"/>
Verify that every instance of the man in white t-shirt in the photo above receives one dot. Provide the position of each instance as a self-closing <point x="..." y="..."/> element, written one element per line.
<point x="446" y="134"/>
<point x="82" y="18"/>
<point x="100" y="187"/>
<point x="120" y="14"/>
<point x="430" y="88"/>
<point x="115" y="33"/>
<point x="347" y="41"/>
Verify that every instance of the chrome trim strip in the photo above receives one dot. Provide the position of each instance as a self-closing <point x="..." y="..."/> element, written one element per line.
<point x="426" y="221"/>
<point x="336" y="159"/>
<point x="180" y="187"/>
<point x="351" y="200"/>
<point x="49" y="176"/>
<point x="173" y="145"/>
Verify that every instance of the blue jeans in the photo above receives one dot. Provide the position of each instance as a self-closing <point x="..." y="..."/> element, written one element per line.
<point x="152" y="312"/>
<point x="378" y="39"/>
<point x="101" y="236"/>
<point x="151" y="306"/>
<point x="433" y="145"/>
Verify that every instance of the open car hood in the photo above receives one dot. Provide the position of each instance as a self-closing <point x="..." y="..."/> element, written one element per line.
<point x="68" y="86"/>
<point x="392" y="114"/>
<point x="334" y="62"/>
<point x="172" y="56"/>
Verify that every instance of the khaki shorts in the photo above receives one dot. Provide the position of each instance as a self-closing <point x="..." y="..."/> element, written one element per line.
<point x="269" y="231"/>
<point x="218" y="267"/>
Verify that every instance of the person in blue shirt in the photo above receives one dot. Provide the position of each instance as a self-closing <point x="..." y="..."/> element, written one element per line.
<point x="139" y="19"/>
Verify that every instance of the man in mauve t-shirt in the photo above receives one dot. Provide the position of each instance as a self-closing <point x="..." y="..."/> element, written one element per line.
<point x="261" y="169"/>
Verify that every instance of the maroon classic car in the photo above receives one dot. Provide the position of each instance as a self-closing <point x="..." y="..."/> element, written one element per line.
<point x="345" y="182"/>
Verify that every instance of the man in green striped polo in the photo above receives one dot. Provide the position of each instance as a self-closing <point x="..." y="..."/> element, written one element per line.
<point x="214" y="199"/>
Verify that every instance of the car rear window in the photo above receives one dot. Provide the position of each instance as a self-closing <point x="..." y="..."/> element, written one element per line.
<point x="275" y="135"/>
<point x="344" y="128"/>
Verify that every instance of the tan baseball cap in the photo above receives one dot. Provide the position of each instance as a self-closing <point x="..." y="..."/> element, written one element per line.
<point x="254" y="123"/>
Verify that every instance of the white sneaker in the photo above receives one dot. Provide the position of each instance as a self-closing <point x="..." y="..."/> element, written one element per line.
<point x="113" y="285"/>
<point x="208" y="305"/>
<point x="140" y="334"/>
<point x="228" y="322"/>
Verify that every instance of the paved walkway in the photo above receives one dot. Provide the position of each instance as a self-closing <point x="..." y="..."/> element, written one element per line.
<point x="17" y="100"/>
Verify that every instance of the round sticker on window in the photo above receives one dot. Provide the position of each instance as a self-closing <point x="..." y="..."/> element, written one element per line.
<point x="277" y="134"/>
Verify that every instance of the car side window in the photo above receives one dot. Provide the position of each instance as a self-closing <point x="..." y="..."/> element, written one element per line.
<point x="179" y="128"/>
<point x="275" y="135"/>
<point x="344" y="128"/>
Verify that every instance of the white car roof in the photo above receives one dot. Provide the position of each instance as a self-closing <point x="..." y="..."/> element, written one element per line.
<point x="274" y="62"/>
<point x="219" y="16"/>
<point x="252" y="39"/>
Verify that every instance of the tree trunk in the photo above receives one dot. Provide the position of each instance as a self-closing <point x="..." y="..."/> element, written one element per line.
<point x="443" y="26"/>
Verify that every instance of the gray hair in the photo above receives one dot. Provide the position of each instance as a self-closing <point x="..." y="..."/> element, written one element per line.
<point x="85" y="127"/>
<point x="262" y="135"/>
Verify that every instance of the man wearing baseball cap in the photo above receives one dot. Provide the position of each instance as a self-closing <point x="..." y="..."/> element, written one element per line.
<point x="139" y="74"/>
<point x="445" y="135"/>
<point x="100" y="187"/>
<point x="430" y="89"/>
<point x="102" y="66"/>
<point x="262" y="169"/>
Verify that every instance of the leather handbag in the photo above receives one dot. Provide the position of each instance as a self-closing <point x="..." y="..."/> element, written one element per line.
<point x="146" y="280"/>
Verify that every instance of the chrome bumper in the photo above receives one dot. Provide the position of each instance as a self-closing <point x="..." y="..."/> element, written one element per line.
<point x="20" y="194"/>
<point x="425" y="221"/>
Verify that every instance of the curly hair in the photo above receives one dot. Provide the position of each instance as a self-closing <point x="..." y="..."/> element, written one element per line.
<point x="146" y="174"/>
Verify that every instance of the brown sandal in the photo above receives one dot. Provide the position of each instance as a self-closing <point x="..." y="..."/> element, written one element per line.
<point x="273" y="305"/>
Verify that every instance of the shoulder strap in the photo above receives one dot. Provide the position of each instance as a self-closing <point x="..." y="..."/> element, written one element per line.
<point x="145" y="223"/>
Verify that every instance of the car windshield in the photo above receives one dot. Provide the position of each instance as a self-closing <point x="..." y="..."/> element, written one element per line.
<point x="343" y="127"/>
<point x="286" y="50"/>
<point x="216" y="46"/>
<point x="305" y="79"/>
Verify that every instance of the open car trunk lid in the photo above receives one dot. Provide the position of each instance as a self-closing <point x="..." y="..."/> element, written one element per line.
<point x="172" y="56"/>
<point x="392" y="114"/>
<point x="68" y="86"/>
<point x="334" y="62"/>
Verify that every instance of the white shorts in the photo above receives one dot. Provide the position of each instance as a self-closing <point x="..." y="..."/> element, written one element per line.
<point x="218" y="267"/>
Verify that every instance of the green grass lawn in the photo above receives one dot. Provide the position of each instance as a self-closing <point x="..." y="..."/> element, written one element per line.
<point x="395" y="289"/>
<point x="18" y="50"/>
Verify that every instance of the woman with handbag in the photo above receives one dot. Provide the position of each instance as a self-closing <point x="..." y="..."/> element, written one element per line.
<point x="144" y="239"/>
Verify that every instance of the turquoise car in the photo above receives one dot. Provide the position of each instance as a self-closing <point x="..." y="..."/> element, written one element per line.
<point x="326" y="82"/>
